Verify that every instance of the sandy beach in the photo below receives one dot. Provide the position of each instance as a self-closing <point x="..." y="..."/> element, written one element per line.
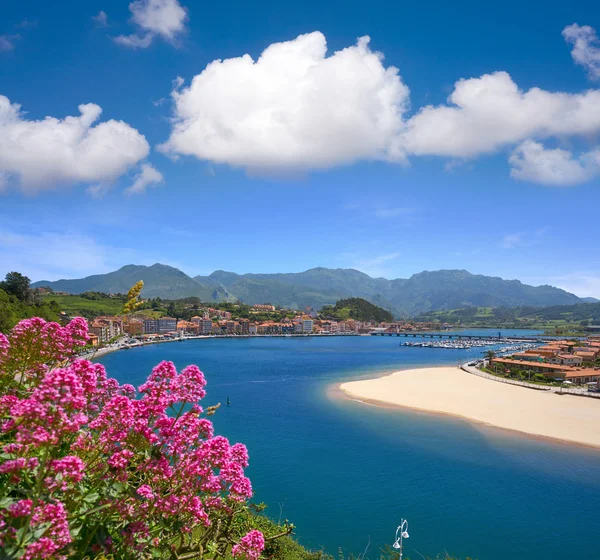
<point x="450" y="390"/>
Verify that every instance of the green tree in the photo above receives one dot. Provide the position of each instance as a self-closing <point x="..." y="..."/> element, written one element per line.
<point x="18" y="285"/>
<point x="490" y="355"/>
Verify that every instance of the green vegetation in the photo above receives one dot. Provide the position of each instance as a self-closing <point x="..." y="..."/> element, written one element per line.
<point x="358" y="309"/>
<point x="17" y="301"/>
<point x="561" y="319"/>
<point x="523" y="373"/>
<point x="12" y="310"/>
<point x="87" y="304"/>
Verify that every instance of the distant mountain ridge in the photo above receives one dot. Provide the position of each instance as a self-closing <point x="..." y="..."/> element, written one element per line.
<point x="316" y="287"/>
<point x="160" y="280"/>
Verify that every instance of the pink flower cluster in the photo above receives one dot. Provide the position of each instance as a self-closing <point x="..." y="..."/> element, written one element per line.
<point x="150" y="465"/>
<point x="35" y="345"/>
<point x="250" y="546"/>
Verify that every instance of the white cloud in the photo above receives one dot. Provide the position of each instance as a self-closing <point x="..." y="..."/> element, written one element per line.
<point x="154" y="18"/>
<point x="583" y="284"/>
<point x="7" y="42"/>
<point x="392" y="212"/>
<point x="375" y="266"/>
<point x="101" y="19"/>
<point x="532" y="162"/>
<point x="487" y="113"/>
<point x="43" y="154"/>
<point x="523" y="238"/>
<point x="294" y="109"/>
<point x="586" y="48"/>
<point x="146" y="177"/>
<point x="52" y="255"/>
<point x="511" y="240"/>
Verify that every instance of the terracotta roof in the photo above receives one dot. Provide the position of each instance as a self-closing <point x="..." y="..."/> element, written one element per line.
<point x="533" y="364"/>
<point x="588" y="372"/>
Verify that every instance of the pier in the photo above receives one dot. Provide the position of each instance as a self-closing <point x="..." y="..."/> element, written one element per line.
<point x="466" y="336"/>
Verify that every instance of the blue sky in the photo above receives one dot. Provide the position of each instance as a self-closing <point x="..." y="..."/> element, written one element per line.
<point x="472" y="141"/>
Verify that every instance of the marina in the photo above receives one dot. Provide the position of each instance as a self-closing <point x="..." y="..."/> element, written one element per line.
<point x="471" y="343"/>
<point x="454" y="336"/>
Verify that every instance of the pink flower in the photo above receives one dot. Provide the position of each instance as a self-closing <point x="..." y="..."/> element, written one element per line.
<point x="20" y="508"/>
<point x="250" y="546"/>
<point x="69" y="469"/>
<point x="55" y="537"/>
<point x="145" y="492"/>
<point x="120" y="459"/>
<point x="4" y="345"/>
<point x="191" y="384"/>
<point x="173" y="472"/>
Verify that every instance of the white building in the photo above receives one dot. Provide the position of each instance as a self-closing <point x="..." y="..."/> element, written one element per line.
<point x="206" y="326"/>
<point x="160" y="326"/>
<point x="307" y="326"/>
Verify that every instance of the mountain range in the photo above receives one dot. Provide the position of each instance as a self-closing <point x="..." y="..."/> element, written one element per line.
<point x="422" y="292"/>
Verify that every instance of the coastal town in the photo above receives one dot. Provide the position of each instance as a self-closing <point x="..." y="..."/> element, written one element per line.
<point x="218" y="322"/>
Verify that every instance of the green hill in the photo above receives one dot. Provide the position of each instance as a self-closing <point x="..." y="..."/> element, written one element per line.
<point x="356" y="308"/>
<point x="581" y="314"/>
<point x="159" y="281"/>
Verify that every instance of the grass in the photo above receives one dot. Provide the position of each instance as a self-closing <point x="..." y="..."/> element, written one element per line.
<point x="77" y="305"/>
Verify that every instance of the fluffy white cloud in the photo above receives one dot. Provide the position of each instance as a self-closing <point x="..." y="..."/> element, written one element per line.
<point x="586" y="48"/>
<point x="146" y="177"/>
<point x="532" y="162"/>
<point x="490" y="112"/>
<point x="297" y="109"/>
<point x="162" y="18"/>
<point x="293" y="109"/>
<point x="45" y="153"/>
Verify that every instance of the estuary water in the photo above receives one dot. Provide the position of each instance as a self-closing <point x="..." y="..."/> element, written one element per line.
<point x="345" y="473"/>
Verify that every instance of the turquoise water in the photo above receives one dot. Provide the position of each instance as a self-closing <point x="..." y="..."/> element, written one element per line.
<point x="345" y="472"/>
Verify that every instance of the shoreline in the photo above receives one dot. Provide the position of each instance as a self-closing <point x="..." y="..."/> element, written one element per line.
<point x="450" y="391"/>
<point x="109" y="350"/>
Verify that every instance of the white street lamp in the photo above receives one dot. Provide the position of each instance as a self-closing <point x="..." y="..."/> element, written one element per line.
<point x="401" y="533"/>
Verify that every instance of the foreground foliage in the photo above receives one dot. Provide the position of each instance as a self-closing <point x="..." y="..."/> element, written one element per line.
<point x="88" y="468"/>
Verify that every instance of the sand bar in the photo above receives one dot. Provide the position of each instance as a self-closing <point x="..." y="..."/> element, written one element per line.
<point x="450" y="390"/>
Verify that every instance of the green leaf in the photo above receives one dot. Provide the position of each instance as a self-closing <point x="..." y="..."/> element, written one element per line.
<point x="91" y="498"/>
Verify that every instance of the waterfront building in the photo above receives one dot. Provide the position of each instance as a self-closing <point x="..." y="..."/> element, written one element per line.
<point x="307" y="326"/>
<point x="567" y="359"/>
<point x="160" y="326"/>
<point x="263" y="307"/>
<point x="206" y="326"/>
<point x="99" y="329"/>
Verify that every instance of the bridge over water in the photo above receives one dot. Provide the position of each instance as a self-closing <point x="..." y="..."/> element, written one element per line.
<point x="465" y="336"/>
